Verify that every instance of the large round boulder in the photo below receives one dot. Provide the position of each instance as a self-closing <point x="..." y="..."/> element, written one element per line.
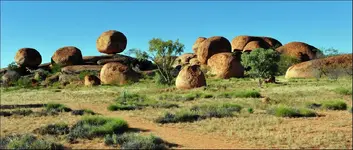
<point x="190" y="77"/>
<point x="197" y="43"/>
<point x="28" y="57"/>
<point x="330" y="66"/>
<point x="300" y="50"/>
<point x="254" y="45"/>
<point x="225" y="65"/>
<point x="211" y="46"/>
<point x="111" y="42"/>
<point x="239" y="42"/>
<point x="117" y="73"/>
<point x="67" y="56"/>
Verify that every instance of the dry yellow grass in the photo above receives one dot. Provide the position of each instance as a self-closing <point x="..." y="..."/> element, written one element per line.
<point x="258" y="130"/>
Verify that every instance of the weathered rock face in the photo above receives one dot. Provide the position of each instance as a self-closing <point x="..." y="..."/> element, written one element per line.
<point x="194" y="61"/>
<point x="335" y="65"/>
<point x="225" y="65"/>
<point x="190" y="77"/>
<point x="51" y="79"/>
<point x="67" y="78"/>
<point x="111" y="42"/>
<point x="76" y="69"/>
<point x="272" y="42"/>
<point x="300" y="50"/>
<point x="117" y="73"/>
<point x="94" y="59"/>
<point x="240" y="42"/>
<point x="10" y="77"/>
<point x="28" y="57"/>
<point x="197" y="43"/>
<point x="184" y="58"/>
<point x="67" y="56"/>
<point x="211" y="46"/>
<point x="40" y="74"/>
<point x="254" y="45"/>
<point x="92" y="80"/>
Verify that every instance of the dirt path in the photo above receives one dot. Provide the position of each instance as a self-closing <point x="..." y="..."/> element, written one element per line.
<point x="183" y="138"/>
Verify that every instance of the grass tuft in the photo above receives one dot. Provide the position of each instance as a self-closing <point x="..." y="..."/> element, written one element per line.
<point x="57" y="107"/>
<point x="53" y="129"/>
<point x="286" y="111"/>
<point x="343" y="91"/>
<point x="334" y="105"/>
<point x="27" y="141"/>
<point x="240" y="94"/>
<point x="135" y="141"/>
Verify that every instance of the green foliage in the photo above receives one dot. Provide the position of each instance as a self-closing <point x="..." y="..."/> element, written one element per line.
<point x="343" y="91"/>
<point x="53" y="129"/>
<point x="263" y="62"/>
<point x="240" y="94"/>
<point x="84" y="73"/>
<point x="161" y="53"/>
<point x="334" y="105"/>
<point x="12" y="66"/>
<point x="200" y="112"/>
<point x="57" y="107"/>
<point x="285" y="62"/>
<point x="96" y="126"/>
<point x="24" y="82"/>
<point x="27" y="141"/>
<point x="286" y="111"/>
<point x="135" y="141"/>
<point x="250" y="110"/>
<point x="55" y="68"/>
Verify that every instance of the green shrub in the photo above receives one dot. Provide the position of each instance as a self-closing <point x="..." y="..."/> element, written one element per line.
<point x="200" y="112"/>
<point x="343" y="91"/>
<point x="55" y="68"/>
<point x="83" y="112"/>
<point x="240" y="94"/>
<point x="187" y="97"/>
<point x="285" y="62"/>
<point x="12" y="66"/>
<point x="285" y="111"/>
<point x="53" y="129"/>
<point x="57" y="107"/>
<point x="27" y="141"/>
<point x="24" y="82"/>
<point x="250" y="110"/>
<point x="95" y="126"/>
<point x="334" y="105"/>
<point x="115" y="107"/>
<point x="135" y="141"/>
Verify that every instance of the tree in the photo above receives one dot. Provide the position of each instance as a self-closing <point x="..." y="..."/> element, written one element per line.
<point x="263" y="63"/>
<point x="285" y="62"/>
<point x="161" y="53"/>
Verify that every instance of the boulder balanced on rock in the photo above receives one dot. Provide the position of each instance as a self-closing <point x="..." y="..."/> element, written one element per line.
<point x="67" y="56"/>
<point x="111" y="42"/>
<point x="117" y="73"/>
<point x="225" y="65"/>
<point x="28" y="57"/>
<point x="190" y="77"/>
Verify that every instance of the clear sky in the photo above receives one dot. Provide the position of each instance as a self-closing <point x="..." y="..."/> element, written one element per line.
<point x="47" y="26"/>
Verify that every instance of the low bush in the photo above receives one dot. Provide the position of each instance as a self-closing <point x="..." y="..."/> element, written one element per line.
<point x="95" y="126"/>
<point x="57" y="107"/>
<point x="53" y="129"/>
<point x="24" y="82"/>
<point x="286" y="111"/>
<point x="27" y="141"/>
<point x="343" y="91"/>
<point x="83" y="112"/>
<point x="135" y="141"/>
<point x="187" y="97"/>
<point x="128" y="101"/>
<point x="240" y="94"/>
<point x="200" y="112"/>
<point x="334" y="105"/>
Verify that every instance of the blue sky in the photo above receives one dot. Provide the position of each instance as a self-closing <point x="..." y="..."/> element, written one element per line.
<point x="47" y="26"/>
